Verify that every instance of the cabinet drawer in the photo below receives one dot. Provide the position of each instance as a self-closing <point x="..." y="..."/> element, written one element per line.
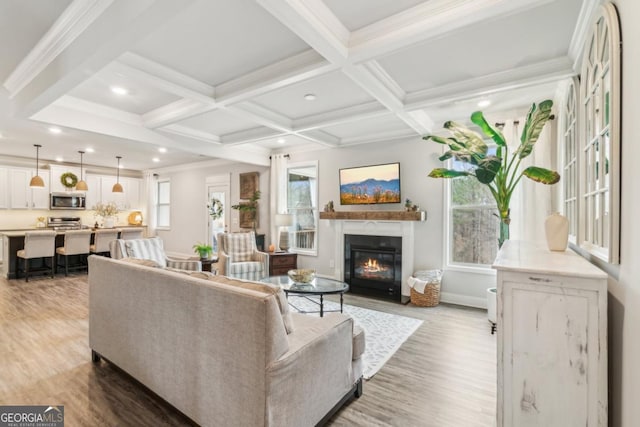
<point x="280" y="271"/>
<point x="284" y="260"/>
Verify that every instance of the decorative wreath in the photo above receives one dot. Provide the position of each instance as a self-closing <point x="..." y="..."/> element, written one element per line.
<point x="216" y="209"/>
<point x="68" y="179"/>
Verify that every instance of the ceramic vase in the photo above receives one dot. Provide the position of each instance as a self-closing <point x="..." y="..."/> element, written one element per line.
<point x="556" y="228"/>
<point x="109" y="222"/>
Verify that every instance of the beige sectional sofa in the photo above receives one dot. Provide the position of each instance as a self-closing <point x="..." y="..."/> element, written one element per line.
<point x="217" y="349"/>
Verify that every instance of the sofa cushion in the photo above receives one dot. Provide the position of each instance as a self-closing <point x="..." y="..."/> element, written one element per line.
<point x="245" y="267"/>
<point x="146" y="249"/>
<point x="265" y="288"/>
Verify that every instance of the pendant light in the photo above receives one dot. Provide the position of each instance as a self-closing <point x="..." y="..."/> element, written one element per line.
<point x="117" y="187"/>
<point x="36" y="181"/>
<point x="81" y="185"/>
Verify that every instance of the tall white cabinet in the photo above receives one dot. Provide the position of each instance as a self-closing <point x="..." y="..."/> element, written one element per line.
<point x="552" y="338"/>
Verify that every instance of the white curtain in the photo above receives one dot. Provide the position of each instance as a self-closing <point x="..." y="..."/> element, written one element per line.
<point x="278" y="193"/>
<point x="531" y="202"/>
<point x="152" y="203"/>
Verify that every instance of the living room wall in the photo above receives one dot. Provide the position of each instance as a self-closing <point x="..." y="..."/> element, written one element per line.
<point x="416" y="159"/>
<point x="188" y="201"/>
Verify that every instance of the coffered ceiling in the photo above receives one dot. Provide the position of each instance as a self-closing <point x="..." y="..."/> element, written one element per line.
<point x="232" y="79"/>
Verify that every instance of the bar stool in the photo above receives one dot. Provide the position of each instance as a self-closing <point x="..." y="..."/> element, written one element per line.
<point x="101" y="240"/>
<point x="130" y="233"/>
<point x="37" y="244"/>
<point x="76" y="242"/>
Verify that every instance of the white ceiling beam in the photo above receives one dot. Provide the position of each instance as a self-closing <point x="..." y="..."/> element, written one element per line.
<point x="260" y="115"/>
<point x="428" y="20"/>
<point x="69" y="25"/>
<point x="379" y="136"/>
<point x="321" y="137"/>
<point x="530" y="75"/>
<point x="297" y="68"/>
<point x="343" y="115"/>
<point x="164" y="78"/>
<point x="174" y="112"/>
<point x="314" y="23"/>
<point x="191" y="133"/>
<point x="98" y="110"/>
<point x="118" y="26"/>
<point x="587" y="12"/>
<point x="249" y="135"/>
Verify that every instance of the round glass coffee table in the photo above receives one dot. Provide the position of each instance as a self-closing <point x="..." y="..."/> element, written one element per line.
<point x="319" y="286"/>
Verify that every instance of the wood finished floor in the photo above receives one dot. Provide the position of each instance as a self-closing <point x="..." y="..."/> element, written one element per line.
<point x="443" y="375"/>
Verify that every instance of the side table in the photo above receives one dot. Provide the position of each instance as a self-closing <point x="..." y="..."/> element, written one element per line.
<point x="207" y="264"/>
<point x="281" y="262"/>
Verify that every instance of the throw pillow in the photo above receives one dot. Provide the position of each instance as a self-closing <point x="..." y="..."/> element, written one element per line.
<point x="146" y="249"/>
<point x="267" y="288"/>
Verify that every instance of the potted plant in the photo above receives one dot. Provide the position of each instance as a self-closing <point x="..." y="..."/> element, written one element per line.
<point x="500" y="172"/>
<point x="250" y="208"/>
<point x="203" y="250"/>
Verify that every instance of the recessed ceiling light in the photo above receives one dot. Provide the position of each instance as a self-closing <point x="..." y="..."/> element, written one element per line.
<point x="59" y="159"/>
<point x="119" y="90"/>
<point x="89" y="150"/>
<point x="162" y="150"/>
<point x="155" y="159"/>
<point x="310" y="97"/>
<point x="55" y="130"/>
<point x="484" y="103"/>
<point x="281" y="140"/>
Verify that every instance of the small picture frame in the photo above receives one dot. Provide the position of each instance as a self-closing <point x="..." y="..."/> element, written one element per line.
<point x="247" y="217"/>
<point x="249" y="184"/>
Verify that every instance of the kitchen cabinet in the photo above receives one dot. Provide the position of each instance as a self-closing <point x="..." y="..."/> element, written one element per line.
<point x="100" y="187"/>
<point x="24" y="197"/>
<point x="552" y="338"/>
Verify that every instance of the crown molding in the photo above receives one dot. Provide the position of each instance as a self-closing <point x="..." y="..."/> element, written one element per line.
<point x="249" y="135"/>
<point x="71" y="23"/>
<point x="321" y="137"/>
<point x="385" y="79"/>
<point x="191" y="133"/>
<point x="100" y="110"/>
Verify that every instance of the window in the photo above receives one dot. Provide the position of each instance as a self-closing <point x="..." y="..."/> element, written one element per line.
<point x="473" y="226"/>
<point x="600" y="151"/>
<point x="164" y="206"/>
<point x="570" y="158"/>
<point x="302" y="202"/>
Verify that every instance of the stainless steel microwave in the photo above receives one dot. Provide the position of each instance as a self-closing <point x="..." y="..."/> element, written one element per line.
<point x="67" y="201"/>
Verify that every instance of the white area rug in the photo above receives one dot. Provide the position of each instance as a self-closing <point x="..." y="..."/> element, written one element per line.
<point x="384" y="332"/>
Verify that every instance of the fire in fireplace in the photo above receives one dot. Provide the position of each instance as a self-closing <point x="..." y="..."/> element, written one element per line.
<point x="373" y="265"/>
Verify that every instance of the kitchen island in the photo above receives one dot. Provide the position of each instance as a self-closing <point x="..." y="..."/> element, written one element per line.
<point x="13" y="241"/>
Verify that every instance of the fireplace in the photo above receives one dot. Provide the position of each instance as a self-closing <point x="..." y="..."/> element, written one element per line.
<point x="373" y="265"/>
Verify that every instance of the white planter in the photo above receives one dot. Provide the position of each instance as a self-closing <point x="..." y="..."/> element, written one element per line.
<point x="109" y="222"/>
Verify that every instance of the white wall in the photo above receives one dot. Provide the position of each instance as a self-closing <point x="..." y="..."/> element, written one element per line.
<point x="624" y="293"/>
<point x="189" y="203"/>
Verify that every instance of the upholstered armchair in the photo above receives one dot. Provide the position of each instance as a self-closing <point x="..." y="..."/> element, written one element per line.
<point x="238" y="256"/>
<point x="150" y="249"/>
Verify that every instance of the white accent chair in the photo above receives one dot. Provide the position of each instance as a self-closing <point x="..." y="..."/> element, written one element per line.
<point x="76" y="242"/>
<point x="101" y="240"/>
<point x="150" y="249"/>
<point x="131" y="233"/>
<point x="37" y="244"/>
<point x="239" y="257"/>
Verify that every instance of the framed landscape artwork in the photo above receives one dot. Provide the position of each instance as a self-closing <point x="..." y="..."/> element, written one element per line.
<point x="249" y="183"/>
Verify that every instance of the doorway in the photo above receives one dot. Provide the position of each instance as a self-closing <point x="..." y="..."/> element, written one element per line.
<point x="218" y="193"/>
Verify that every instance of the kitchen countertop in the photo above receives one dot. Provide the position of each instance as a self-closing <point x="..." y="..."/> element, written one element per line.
<point x="19" y="232"/>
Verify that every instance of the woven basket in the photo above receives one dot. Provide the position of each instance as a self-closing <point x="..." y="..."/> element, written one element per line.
<point x="430" y="297"/>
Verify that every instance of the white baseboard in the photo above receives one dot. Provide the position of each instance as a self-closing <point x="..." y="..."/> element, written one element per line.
<point x="463" y="300"/>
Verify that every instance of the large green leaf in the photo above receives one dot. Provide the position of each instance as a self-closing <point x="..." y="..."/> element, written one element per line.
<point x="436" y="138"/>
<point x="488" y="168"/>
<point x="447" y="173"/>
<point x="536" y="119"/>
<point x="542" y="175"/>
<point x="491" y="132"/>
<point x="470" y="139"/>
